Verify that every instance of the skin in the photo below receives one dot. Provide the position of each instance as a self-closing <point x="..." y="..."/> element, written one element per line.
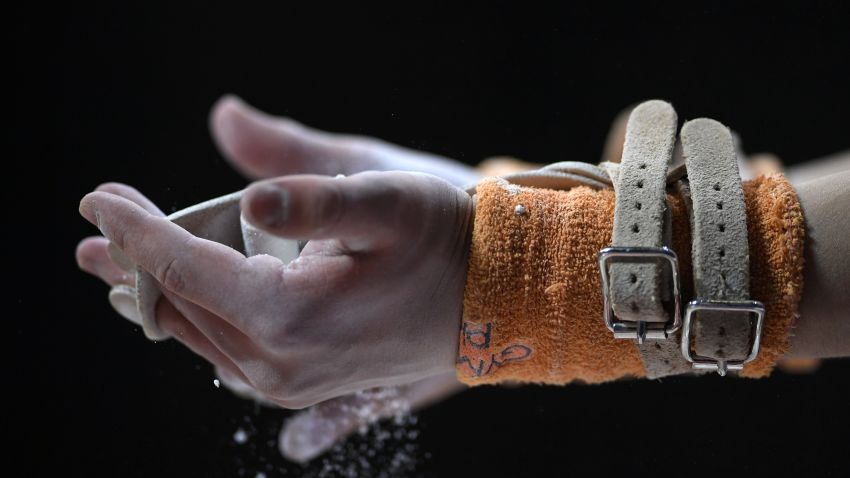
<point x="259" y="146"/>
<point x="389" y="247"/>
<point x="823" y="328"/>
<point x="261" y="344"/>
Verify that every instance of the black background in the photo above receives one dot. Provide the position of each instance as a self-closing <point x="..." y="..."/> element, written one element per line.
<point x="134" y="85"/>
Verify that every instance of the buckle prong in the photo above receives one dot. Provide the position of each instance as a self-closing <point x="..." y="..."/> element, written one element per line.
<point x="722" y="366"/>
<point x="641" y="331"/>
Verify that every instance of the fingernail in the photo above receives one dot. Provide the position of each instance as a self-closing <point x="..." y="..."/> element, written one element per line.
<point x="307" y="436"/>
<point x="269" y="205"/>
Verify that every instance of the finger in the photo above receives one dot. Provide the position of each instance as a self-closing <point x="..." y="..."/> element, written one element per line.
<point x="205" y="272"/>
<point x="262" y="146"/>
<point x="310" y="433"/>
<point x="224" y="336"/>
<point x="128" y="192"/>
<point x="93" y="258"/>
<point x="364" y="211"/>
<point x="122" y="298"/>
<point x="613" y="150"/>
<point x="171" y="321"/>
<point x="131" y="193"/>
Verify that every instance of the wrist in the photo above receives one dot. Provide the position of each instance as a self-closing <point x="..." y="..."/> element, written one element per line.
<point x="532" y="303"/>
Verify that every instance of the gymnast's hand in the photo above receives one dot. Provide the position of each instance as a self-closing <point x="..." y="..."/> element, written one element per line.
<point x="373" y="300"/>
<point x="261" y="145"/>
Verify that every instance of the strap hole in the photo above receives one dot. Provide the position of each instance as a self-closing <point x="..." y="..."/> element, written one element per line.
<point x="638" y="205"/>
<point x="722" y="251"/>
<point x="642" y="166"/>
<point x="633" y="278"/>
<point x="719" y="204"/>
<point x="640" y="184"/>
<point x="635" y="307"/>
<point x="717" y="186"/>
<point x="657" y="346"/>
<point x="719" y="353"/>
<point x="635" y="228"/>
<point x="721" y="227"/>
<point x="721" y="331"/>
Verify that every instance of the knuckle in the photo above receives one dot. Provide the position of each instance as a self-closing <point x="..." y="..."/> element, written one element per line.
<point x="393" y="191"/>
<point x="404" y="212"/>
<point x="330" y="209"/>
<point x="388" y="191"/>
<point x="171" y="276"/>
<point x="171" y="270"/>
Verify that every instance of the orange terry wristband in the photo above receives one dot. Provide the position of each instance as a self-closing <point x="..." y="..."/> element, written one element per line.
<point x="533" y="302"/>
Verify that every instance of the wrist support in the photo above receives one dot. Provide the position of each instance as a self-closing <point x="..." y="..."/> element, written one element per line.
<point x="532" y="303"/>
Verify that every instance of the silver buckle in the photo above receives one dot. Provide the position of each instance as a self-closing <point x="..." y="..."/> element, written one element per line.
<point x="639" y="330"/>
<point x="721" y="366"/>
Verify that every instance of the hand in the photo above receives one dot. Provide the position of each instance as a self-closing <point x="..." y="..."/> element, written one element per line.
<point x="261" y="145"/>
<point x="309" y="433"/>
<point x="373" y="300"/>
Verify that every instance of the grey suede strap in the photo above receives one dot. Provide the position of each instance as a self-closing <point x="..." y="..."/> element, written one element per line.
<point x="642" y="218"/>
<point x="720" y="252"/>
<point x="640" y="211"/>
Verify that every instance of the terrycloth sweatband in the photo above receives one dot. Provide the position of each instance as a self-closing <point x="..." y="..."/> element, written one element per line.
<point x="532" y="303"/>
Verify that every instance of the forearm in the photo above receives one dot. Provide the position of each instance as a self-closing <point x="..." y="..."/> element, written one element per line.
<point x="823" y="327"/>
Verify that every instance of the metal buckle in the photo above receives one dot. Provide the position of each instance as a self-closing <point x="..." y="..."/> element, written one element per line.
<point x="721" y="366"/>
<point x="640" y="330"/>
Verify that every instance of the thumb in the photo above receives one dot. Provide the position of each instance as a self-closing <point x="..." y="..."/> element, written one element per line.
<point x="260" y="145"/>
<point x="365" y="211"/>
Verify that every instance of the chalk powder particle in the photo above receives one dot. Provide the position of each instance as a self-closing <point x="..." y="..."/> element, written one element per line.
<point x="240" y="436"/>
